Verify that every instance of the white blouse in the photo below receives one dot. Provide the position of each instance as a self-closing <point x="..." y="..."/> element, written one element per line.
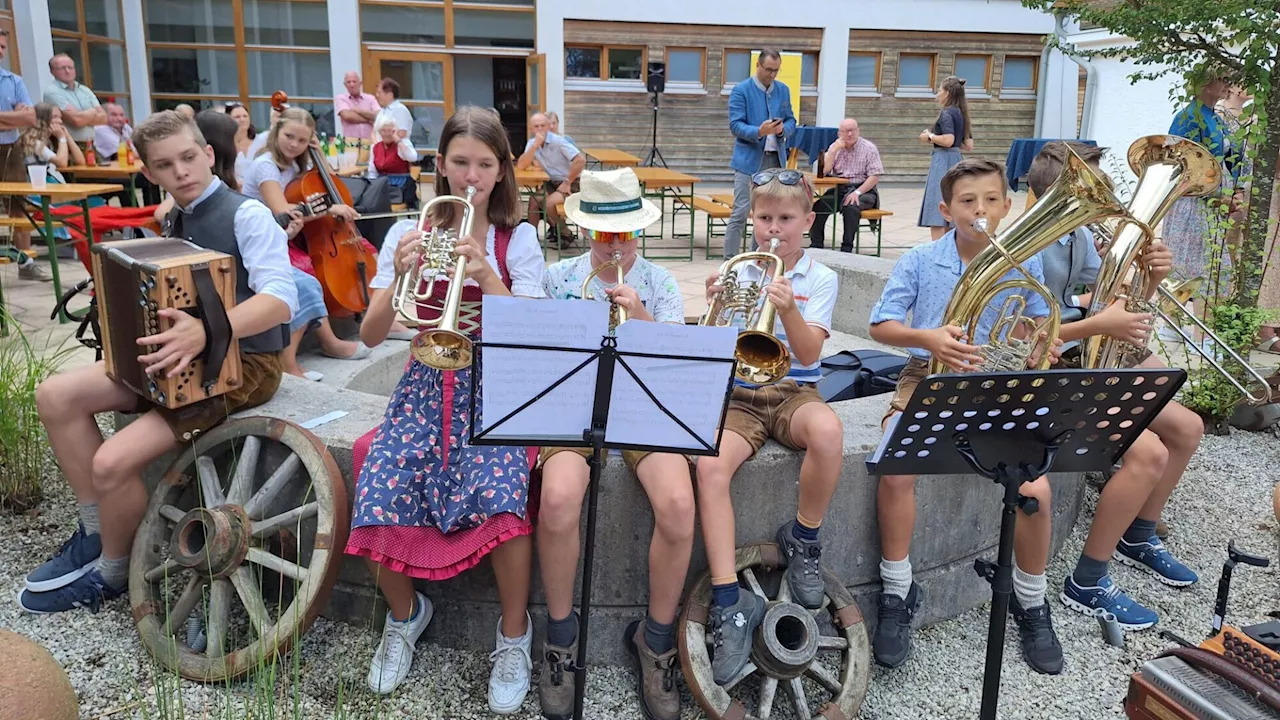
<point x="525" y="263"/>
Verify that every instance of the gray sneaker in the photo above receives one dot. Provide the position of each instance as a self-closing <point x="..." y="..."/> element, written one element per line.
<point x="555" y="685"/>
<point x="804" y="573"/>
<point x="731" y="631"/>
<point x="34" y="271"/>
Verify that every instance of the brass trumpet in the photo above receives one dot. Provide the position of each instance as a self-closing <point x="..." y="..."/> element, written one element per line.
<point x="762" y="358"/>
<point x="442" y="346"/>
<point x="617" y="314"/>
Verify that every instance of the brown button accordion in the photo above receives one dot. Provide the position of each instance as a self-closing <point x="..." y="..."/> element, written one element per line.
<point x="1231" y="676"/>
<point x="135" y="279"/>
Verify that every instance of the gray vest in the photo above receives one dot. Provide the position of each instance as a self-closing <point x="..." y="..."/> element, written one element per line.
<point x="211" y="225"/>
<point x="1064" y="270"/>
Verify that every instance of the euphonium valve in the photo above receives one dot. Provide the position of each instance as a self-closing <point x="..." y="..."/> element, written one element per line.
<point x="442" y="346"/>
<point x="762" y="358"/>
<point x="617" y="314"/>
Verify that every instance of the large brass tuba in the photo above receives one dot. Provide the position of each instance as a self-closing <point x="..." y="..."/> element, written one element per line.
<point x="1076" y="198"/>
<point x="762" y="358"/>
<point x="441" y="346"/>
<point x="1168" y="168"/>
<point x="617" y="314"/>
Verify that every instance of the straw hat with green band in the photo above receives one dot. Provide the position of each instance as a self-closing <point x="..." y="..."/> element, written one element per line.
<point x="610" y="201"/>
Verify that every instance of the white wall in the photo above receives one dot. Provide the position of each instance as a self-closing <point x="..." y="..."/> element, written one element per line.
<point x="344" y="42"/>
<point x="1125" y="111"/>
<point x="35" y="46"/>
<point x="834" y="17"/>
<point x="135" y="49"/>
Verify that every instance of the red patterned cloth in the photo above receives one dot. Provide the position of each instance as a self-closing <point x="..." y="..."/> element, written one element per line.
<point x="105" y="219"/>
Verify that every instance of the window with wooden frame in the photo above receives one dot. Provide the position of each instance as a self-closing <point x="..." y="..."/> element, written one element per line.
<point x="736" y="66"/>
<point x="809" y="72"/>
<point x="241" y="51"/>
<point x="91" y="32"/>
<point x="975" y="70"/>
<point x="686" y="67"/>
<point x="10" y="60"/>
<point x="863" y="72"/>
<point x="613" y="62"/>
<point x="1020" y="78"/>
<point x="916" y="72"/>
<point x="449" y="23"/>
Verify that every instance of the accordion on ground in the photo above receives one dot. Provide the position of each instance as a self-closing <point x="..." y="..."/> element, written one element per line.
<point x="133" y="281"/>
<point x="1232" y="676"/>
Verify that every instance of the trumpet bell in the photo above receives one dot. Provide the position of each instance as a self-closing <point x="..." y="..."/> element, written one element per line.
<point x="762" y="358"/>
<point x="442" y="349"/>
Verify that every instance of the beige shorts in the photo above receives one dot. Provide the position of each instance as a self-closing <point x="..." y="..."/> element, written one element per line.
<point x="912" y="373"/>
<point x="1072" y="358"/>
<point x="758" y="414"/>
<point x="631" y="457"/>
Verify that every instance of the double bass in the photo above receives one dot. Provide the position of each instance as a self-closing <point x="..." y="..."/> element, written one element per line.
<point x="344" y="263"/>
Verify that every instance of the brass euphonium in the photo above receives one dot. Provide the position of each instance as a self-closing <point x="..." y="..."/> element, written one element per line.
<point x="617" y="314"/>
<point x="1168" y="168"/>
<point x="1076" y="198"/>
<point x="762" y="358"/>
<point x="441" y="346"/>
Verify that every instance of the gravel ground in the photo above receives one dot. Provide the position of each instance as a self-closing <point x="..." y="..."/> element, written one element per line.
<point x="1225" y="495"/>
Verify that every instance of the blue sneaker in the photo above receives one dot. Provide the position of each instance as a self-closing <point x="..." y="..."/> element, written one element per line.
<point x="1107" y="598"/>
<point x="75" y="559"/>
<point x="1152" y="557"/>
<point x="88" y="592"/>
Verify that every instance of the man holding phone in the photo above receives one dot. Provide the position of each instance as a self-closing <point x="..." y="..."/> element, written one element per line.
<point x="761" y="120"/>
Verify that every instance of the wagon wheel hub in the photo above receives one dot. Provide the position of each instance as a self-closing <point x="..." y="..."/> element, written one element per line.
<point x="786" y="642"/>
<point x="211" y="541"/>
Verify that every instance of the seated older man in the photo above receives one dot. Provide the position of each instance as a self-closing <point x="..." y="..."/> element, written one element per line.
<point x="857" y="160"/>
<point x="562" y="162"/>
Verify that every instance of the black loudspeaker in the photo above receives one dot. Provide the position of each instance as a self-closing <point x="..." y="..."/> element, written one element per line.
<point x="657" y="77"/>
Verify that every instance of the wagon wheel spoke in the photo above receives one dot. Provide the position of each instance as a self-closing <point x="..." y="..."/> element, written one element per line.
<point x="171" y="513"/>
<point x="169" y="568"/>
<point x="186" y="602"/>
<point x="798" y="698"/>
<point x="754" y="583"/>
<point x="279" y="479"/>
<point x="824" y="677"/>
<point x="251" y="597"/>
<point x="210" y="483"/>
<point x="784" y="592"/>
<point x="242" y="480"/>
<point x="217" y="622"/>
<point x="743" y="675"/>
<point x="273" y="525"/>
<point x="258" y="556"/>
<point x="768" y="691"/>
<point x="830" y="643"/>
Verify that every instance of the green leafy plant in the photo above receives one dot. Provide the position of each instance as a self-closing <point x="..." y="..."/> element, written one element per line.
<point x="1206" y="391"/>
<point x="24" y="447"/>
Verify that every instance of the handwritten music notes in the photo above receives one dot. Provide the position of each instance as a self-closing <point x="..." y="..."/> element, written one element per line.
<point x="512" y="377"/>
<point x="692" y="390"/>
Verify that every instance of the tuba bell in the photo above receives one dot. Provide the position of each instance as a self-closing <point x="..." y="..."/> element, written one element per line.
<point x="617" y="314"/>
<point x="1077" y="197"/>
<point x="762" y="358"/>
<point x="442" y="346"/>
<point x="1168" y="168"/>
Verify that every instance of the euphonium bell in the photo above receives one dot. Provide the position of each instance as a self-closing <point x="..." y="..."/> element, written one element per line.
<point x="762" y="358"/>
<point x="617" y="314"/>
<point x="1076" y="198"/>
<point x="442" y="346"/>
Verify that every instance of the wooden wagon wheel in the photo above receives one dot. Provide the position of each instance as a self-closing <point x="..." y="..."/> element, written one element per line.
<point x="827" y="646"/>
<point x="242" y="538"/>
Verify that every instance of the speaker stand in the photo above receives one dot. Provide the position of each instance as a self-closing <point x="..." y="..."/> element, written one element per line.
<point x="654" y="157"/>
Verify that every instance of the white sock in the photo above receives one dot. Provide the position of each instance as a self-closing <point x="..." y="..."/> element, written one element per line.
<point x="1029" y="589"/>
<point x="896" y="576"/>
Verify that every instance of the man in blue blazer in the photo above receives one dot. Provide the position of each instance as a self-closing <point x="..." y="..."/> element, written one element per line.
<point x="761" y="119"/>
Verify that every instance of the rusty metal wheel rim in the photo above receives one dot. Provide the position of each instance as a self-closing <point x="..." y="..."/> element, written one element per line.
<point x="839" y="614"/>
<point x="228" y="500"/>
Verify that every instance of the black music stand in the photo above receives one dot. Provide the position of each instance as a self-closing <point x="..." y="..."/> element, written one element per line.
<point x="1022" y="424"/>
<point x="607" y="358"/>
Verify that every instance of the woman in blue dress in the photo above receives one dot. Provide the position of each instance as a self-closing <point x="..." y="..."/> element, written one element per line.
<point x="950" y="134"/>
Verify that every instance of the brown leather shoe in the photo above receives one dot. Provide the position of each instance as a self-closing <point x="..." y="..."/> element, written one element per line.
<point x="555" y="684"/>
<point x="659" y="695"/>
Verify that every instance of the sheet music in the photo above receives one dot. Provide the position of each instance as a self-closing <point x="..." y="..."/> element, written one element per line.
<point x="512" y="377"/>
<point x="875" y="456"/>
<point x="693" y="391"/>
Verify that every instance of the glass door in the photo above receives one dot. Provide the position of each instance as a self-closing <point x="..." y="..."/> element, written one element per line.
<point x="426" y="88"/>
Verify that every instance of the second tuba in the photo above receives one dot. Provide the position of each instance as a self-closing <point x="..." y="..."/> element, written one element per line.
<point x="762" y="358"/>
<point x="1077" y="197"/>
<point x="442" y="346"/>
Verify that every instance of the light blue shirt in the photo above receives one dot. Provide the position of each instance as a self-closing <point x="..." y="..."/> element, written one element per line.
<point x="13" y="92"/>
<point x="925" y="278"/>
<point x="555" y="156"/>
<point x="262" y="245"/>
<point x="79" y="97"/>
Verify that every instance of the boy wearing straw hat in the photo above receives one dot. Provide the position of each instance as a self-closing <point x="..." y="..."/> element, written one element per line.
<point x="612" y="212"/>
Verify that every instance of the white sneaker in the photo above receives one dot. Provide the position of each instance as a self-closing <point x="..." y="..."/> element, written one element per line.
<point x="512" y="664"/>
<point x="394" y="657"/>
